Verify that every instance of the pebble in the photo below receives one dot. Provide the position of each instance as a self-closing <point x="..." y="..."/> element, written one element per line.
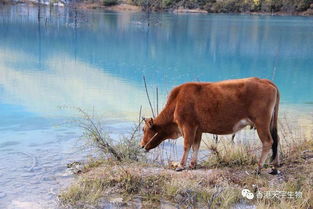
<point x="117" y="201"/>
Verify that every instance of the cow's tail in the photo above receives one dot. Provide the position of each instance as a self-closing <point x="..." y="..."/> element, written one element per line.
<point x="273" y="127"/>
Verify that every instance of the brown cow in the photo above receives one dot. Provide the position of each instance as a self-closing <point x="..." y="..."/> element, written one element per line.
<point x="220" y="108"/>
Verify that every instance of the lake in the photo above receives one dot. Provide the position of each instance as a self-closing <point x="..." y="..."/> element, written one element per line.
<point x="96" y="60"/>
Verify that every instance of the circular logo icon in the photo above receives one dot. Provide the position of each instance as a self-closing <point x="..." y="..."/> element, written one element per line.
<point x="250" y="196"/>
<point x="246" y="193"/>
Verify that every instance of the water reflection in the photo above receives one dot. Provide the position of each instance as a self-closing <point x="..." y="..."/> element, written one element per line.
<point x="66" y="82"/>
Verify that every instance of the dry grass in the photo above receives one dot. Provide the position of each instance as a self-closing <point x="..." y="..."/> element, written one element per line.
<point x="227" y="154"/>
<point x="219" y="188"/>
<point x="217" y="184"/>
<point x="151" y="185"/>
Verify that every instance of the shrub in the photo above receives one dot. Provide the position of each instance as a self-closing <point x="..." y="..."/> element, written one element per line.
<point x="193" y="4"/>
<point x="130" y="149"/>
<point x="226" y="6"/>
<point x="272" y="5"/>
<point x="167" y="3"/>
<point x="150" y="5"/>
<point x="126" y="148"/>
<point x="302" y="5"/>
<point x="288" y="6"/>
<point x="237" y="6"/>
<point x="110" y="2"/>
<point x="232" y="6"/>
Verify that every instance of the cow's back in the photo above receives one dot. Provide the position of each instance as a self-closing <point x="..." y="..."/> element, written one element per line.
<point x="216" y="107"/>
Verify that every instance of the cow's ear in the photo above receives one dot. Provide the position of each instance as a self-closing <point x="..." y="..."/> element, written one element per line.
<point x="149" y="122"/>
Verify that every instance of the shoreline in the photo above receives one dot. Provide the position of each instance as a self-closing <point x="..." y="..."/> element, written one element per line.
<point x="134" y="8"/>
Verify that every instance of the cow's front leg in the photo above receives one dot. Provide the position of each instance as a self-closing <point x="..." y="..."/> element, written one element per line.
<point x="195" y="150"/>
<point x="189" y="137"/>
<point x="184" y="158"/>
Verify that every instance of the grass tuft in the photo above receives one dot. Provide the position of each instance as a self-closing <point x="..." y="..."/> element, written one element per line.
<point x="228" y="154"/>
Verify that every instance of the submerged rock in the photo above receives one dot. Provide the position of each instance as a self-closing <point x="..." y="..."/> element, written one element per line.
<point x="75" y="167"/>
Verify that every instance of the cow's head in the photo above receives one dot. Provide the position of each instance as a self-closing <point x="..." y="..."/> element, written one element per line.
<point x="152" y="135"/>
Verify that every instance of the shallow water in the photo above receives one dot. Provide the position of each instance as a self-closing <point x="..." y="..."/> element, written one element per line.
<point x="95" y="60"/>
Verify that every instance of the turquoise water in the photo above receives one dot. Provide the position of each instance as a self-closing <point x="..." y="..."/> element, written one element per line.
<point x="95" y="60"/>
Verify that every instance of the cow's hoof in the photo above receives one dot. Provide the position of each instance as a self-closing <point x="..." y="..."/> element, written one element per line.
<point x="178" y="169"/>
<point x="274" y="171"/>
<point x="192" y="167"/>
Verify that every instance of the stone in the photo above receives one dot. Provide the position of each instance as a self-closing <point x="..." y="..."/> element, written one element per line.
<point x="118" y="201"/>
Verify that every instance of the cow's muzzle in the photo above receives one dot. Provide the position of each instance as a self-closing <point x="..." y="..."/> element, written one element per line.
<point x="146" y="146"/>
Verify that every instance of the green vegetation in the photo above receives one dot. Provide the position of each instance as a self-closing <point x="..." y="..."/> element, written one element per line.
<point x="110" y="2"/>
<point x="292" y="7"/>
<point x="235" y="6"/>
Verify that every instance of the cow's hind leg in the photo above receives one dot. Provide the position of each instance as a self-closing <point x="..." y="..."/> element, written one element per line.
<point x="195" y="150"/>
<point x="189" y="137"/>
<point x="215" y="137"/>
<point x="267" y="141"/>
<point x="275" y="157"/>
<point x="233" y="138"/>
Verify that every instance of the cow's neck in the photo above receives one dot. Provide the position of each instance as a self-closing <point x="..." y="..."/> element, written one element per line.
<point x="165" y="117"/>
